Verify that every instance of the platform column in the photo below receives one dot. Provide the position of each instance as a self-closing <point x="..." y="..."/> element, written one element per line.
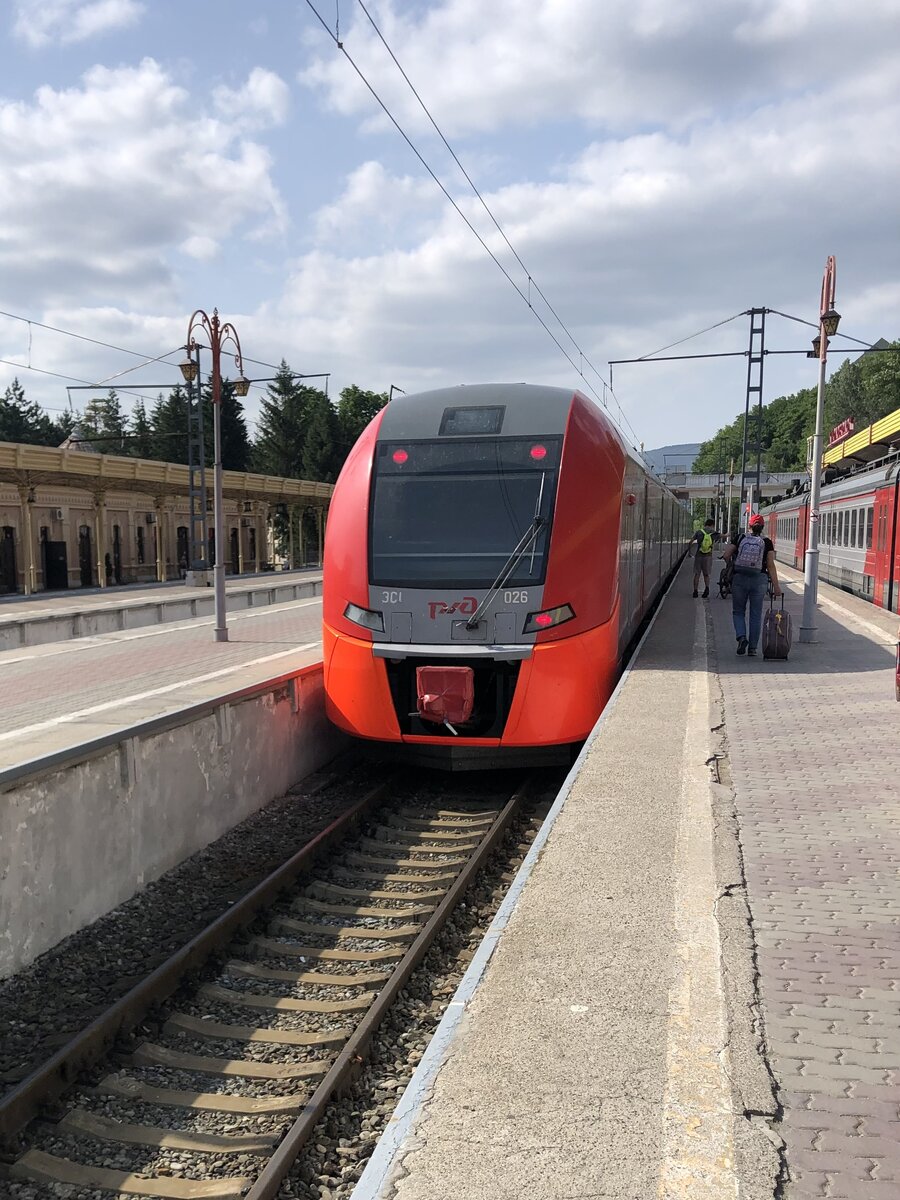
<point x="320" y="526"/>
<point x="291" y="513"/>
<point x="29" y="578"/>
<point x="261" y="526"/>
<point x="160" y="541"/>
<point x="240" y="540"/>
<point x="302" y="531"/>
<point x="100" y="535"/>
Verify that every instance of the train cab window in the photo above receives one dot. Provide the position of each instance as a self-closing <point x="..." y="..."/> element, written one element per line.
<point x="453" y="512"/>
<point x="870" y="521"/>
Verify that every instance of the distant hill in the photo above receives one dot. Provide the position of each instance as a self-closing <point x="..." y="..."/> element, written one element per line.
<point x="673" y="458"/>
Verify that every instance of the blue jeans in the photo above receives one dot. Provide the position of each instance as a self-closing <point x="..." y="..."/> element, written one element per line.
<point x="748" y="585"/>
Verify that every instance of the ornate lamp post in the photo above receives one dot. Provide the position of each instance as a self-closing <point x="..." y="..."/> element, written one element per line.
<point x="217" y="335"/>
<point x="828" y="325"/>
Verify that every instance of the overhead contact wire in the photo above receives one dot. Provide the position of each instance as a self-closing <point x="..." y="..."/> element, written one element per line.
<point x="522" y="294"/>
<point x="532" y="282"/>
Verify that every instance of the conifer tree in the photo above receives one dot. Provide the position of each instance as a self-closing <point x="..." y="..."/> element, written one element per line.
<point x="104" y="423"/>
<point x="23" y="420"/>
<point x="141" y="433"/>
<point x="169" y="424"/>
<point x="282" y="424"/>
<point x="320" y="445"/>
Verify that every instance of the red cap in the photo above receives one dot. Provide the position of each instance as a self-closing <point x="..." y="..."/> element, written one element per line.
<point x="757" y="521"/>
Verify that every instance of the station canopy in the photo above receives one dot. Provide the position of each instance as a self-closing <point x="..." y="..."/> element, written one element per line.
<point x="77" y="467"/>
<point x="875" y="442"/>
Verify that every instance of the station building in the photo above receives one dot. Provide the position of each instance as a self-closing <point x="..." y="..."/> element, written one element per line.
<point x="71" y="518"/>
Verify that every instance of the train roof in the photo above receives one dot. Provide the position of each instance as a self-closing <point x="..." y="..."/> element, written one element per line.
<point x="859" y="483"/>
<point x="528" y="409"/>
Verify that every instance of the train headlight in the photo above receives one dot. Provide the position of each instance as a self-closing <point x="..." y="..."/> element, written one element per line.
<point x="365" y="617"/>
<point x="549" y="617"/>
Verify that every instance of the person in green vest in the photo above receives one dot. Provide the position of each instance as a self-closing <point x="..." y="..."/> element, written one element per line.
<point x="702" y="544"/>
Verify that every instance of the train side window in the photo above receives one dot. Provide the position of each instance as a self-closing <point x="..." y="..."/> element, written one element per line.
<point x="870" y="518"/>
<point x="853" y="528"/>
<point x="845" y="523"/>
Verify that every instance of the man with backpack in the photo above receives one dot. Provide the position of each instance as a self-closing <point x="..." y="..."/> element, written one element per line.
<point x="702" y="543"/>
<point x="754" y="566"/>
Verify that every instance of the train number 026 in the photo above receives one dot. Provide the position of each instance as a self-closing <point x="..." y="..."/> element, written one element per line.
<point x="391" y="597"/>
<point x="515" y="597"/>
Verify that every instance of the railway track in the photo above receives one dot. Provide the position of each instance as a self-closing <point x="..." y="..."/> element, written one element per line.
<point x="209" y="1089"/>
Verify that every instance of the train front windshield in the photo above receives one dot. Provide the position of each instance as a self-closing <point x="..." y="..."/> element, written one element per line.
<point x="452" y="512"/>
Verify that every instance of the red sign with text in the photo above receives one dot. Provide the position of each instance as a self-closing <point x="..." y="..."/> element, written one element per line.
<point x="841" y="431"/>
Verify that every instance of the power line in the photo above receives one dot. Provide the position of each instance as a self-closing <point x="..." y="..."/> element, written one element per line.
<point x="80" y="336"/>
<point x="681" y="341"/>
<point x="606" y="384"/>
<point x="524" y="296"/>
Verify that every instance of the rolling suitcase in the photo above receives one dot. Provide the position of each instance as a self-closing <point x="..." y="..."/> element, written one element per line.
<point x="777" y="631"/>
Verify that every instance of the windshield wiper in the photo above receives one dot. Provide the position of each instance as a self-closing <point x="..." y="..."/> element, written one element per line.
<point x="525" y="541"/>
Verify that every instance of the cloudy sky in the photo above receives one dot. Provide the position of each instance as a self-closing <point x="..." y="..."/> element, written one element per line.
<point x="657" y="165"/>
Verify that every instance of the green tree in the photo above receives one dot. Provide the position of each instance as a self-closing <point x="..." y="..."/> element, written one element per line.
<point x="140" y="443"/>
<point x="168" y="424"/>
<point x="321" y="455"/>
<point x="235" y="439"/>
<point x="62" y="428"/>
<point x="355" y="410"/>
<point x="23" y="420"/>
<point x="282" y="425"/>
<point x="866" y="390"/>
<point x="104" y="423"/>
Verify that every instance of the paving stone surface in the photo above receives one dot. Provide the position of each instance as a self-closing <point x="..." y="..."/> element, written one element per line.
<point x="46" y="683"/>
<point x="814" y="747"/>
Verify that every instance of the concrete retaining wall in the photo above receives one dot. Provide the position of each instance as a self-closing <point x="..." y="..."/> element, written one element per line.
<point x="79" y="838"/>
<point x="130" y="614"/>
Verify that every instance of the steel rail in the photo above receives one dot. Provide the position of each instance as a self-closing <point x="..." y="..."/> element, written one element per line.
<point x="23" y="1102"/>
<point x="349" y="1061"/>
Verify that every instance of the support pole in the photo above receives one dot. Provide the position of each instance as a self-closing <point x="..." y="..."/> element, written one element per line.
<point x="160" y="546"/>
<point x="100" y="536"/>
<point x="320" y="524"/>
<point x="29" y="578"/>
<point x="811" y="562"/>
<point x="290" y="514"/>
<point x="218" y="504"/>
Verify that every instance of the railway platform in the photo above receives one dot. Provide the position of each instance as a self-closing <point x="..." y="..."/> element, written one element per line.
<point x="59" y="616"/>
<point x="62" y="696"/>
<point x="691" y="990"/>
<point x="124" y="753"/>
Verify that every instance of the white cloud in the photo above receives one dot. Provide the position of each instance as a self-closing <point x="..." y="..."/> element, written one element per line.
<point x="262" y="101"/>
<point x="642" y="240"/>
<point x="200" y="247"/>
<point x="103" y="181"/>
<point x="41" y="22"/>
<point x="610" y="65"/>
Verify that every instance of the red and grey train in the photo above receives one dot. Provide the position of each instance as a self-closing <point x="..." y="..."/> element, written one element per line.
<point x="859" y="532"/>
<point x="491" y="551"/>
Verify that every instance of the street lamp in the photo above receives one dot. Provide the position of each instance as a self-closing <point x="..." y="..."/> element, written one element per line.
<point x="828" y="324"/>
<point x="218" y="335"/>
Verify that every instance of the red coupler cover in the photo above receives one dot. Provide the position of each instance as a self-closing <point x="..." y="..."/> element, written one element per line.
<point x="445" y="694"/>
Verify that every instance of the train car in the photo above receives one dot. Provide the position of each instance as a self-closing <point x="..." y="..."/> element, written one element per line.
<point x="491" y="551"/>
<point x="859" y="532"/>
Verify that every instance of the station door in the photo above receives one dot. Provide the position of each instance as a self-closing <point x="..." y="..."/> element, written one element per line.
<point x="9" y="578"/>
<point x="85" y="562"/>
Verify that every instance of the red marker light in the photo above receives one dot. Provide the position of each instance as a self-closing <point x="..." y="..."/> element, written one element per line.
<point x="538" y="452"/>
<point x="543" y="619"/>
<point x="400" y="456"/>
